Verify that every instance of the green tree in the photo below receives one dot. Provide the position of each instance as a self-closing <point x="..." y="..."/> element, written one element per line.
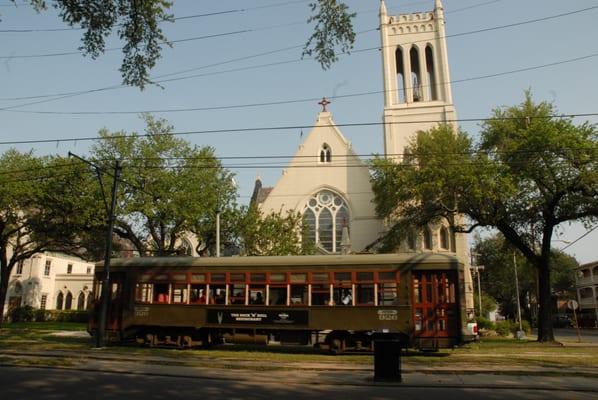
<point x="138" y="26"/>
<point x="44" y="204"/>
<point x="168" y="187"/>
<point x="274" y="234"/>
<point x="529" y="173"/>
<point x="498" y="277"/>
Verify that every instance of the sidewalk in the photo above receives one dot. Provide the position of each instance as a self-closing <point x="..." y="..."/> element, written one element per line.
<point x="311" y="373"/>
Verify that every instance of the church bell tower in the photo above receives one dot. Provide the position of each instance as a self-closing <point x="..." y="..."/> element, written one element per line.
<point x="417" y="89"/>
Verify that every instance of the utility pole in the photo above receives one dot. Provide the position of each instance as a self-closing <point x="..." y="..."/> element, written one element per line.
<point x="106" y="278"/>
<point x="105" y="293"/>
<point x="520" y="332"/>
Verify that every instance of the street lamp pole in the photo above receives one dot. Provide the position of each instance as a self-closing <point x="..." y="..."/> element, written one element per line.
<point x="476" y="270"/>
<point x="218" y="232"/>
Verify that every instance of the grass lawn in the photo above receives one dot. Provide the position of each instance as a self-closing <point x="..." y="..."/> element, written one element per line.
<point x="490" y="353"/>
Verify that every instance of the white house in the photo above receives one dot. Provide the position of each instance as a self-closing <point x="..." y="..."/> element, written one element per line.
<point x="51" y="281"/>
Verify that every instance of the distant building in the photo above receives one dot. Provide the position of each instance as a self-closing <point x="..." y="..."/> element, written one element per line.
<point x="586" y="284"/>
<point x="51" y="281"/>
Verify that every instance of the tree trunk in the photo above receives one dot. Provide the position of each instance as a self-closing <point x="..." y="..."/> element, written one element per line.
<point x="4" y="276"/>
<point x="545" y="331"/>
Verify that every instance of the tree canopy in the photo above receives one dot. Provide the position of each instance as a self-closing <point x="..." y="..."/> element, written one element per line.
<point x="498" y="277"/>
<point x="168" y="187"/>
<point x="138" y="26"/>
<point x="45" y="203"/>
<point x="530" y="171"/>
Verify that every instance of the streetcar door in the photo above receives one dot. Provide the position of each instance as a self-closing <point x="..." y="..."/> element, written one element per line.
<point x="115" y="305"/>
<point x="434" y="304"/>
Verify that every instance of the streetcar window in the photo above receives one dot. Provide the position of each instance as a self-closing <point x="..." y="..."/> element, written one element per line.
<point x="298" y="278"/>
<point x="418" y="319"/>
<point x="114" y="291"/>
<point x="179" y="293"/>
<point x="278" y="278"/>
<point x="218" y="293"/>
<point x="429" y="288"/>
<point x="145" y="278"/>
<point x="365" y="277"/>
<point x="198" y="294"/>
<point x="161" y="277"/>
<point x="320" y="295"/>
<point x="365" y="293"/>
<point x="161" y="293"/>
<point x="342" y="295"/>
<point x="179" y="277"/>
<point x="199" y="278"/>
<point x="342" y="276"/>
<point x="277" y="295"/>
<point x="257" y="294"/>
<point x="218" y="277"/>
<point x="319" y="277"/>
<point x="143" y="292"/>
<point x="299" y="294"/>
<point x="257" y="278"/>
<point x="387" y="293"/>
<point x="387" y="276"/>
<point x="237" y="294"/>
<point x="237" y="277"/>
<point x="417" y="291"/>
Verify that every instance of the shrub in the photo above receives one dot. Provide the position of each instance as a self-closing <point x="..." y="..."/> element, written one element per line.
<point x="67" y="316"/>
<point x="22" y="314"/>
<point x="41" y="315"/>
<point x="503" y="328"/>
<point x="485" y="323"/>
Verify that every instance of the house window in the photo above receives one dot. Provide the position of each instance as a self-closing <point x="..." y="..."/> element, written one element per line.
<point x="47" y="268"/>
<point x="43" y="301"/>
<point x="68" y="302"/>
<point x="69" y="269"/>
<point x="325" y="215"/>
<point x="88" y="270"/>
<point x="59" y="301"/>
<point x="81" y="301"/>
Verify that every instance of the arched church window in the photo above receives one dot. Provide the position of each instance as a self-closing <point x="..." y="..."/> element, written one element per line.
<point x="415" y="75"/>
<point x="325" y="154"/>
<point x="59" y="301"/>
<point x="400" y="76"/>
<point x="411" y="240"/>
<point x="324" y="216"/>
<point x="427" y="239"/>
<point x="431" y="89"/>
<point x="444" y="238"/>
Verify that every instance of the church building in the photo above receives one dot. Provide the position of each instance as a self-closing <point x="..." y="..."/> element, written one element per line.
<point x="328" y="183"/>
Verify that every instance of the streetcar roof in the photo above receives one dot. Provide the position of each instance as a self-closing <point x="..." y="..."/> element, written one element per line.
<point x="417" y="259"/>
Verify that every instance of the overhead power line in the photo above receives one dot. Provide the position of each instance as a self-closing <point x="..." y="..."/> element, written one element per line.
<point x="289" y="101"/>
<point x="59" y="96"/>
<point x="296" y="128"/>
<point x="579" y="238"/>
<point x="184" y="17"/>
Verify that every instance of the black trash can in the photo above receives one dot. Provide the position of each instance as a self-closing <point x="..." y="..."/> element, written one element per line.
<point x="387" y="360"/>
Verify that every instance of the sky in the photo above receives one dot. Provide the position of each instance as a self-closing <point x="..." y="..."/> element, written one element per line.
<point x="242" y="69"/>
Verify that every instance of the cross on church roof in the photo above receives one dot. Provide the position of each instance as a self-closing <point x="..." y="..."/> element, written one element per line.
<point x="324" y="103"/>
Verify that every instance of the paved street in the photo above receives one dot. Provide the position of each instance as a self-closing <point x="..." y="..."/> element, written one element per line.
<point x="49" y="383"/>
